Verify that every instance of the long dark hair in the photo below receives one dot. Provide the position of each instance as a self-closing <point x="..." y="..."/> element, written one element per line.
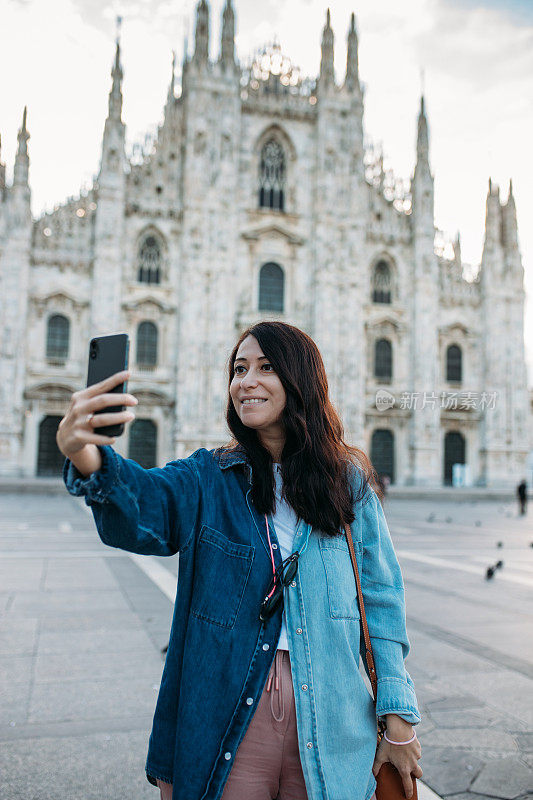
<point x="316" y="461"/>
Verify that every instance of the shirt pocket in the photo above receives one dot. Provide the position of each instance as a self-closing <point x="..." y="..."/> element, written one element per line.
<point x="221" y="573"/>
<point x="340" y="580"/>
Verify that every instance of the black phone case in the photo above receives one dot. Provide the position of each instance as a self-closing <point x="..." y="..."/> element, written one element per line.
<point x="108" y="355"/>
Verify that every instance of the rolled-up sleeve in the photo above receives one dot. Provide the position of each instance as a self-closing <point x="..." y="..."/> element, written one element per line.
<point x="147" y="511"/>
<point x="384" y="598"/>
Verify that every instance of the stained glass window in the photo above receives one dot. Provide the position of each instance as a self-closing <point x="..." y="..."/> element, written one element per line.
<point x="272" y="176"/>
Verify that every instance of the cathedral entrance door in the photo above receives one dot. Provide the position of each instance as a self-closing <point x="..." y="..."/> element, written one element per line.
<point x="382" y="452"/>
<point x="50" y="459"/>
<point x="143" y="443"/>
<point x="454" y="453"/>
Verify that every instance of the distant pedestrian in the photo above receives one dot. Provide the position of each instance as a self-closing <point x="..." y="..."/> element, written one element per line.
<point x="521" y="491"/>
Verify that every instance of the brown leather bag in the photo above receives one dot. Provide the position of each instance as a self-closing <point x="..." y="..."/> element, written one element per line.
<point x="389" y="781"/>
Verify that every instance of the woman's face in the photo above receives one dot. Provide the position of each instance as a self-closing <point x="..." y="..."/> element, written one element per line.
<point x="254" y="376"/>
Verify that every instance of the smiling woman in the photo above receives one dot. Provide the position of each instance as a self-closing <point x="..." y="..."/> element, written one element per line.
<point x="266" y="599"/>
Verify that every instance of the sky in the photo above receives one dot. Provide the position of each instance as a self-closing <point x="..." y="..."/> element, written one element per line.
<point x="474" y="59"/>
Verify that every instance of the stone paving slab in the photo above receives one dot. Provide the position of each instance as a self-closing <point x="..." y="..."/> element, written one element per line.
<point x="98" y="619"/>
<point x="18" y="637"/>
<point x="15" y="669"/>
<point x="78" y="573"/>
<point x="95" y="665"/>
<point x="90" y="699"/>
<point x="94" y="767"/>
<point x="14" y="701"/>
<point x="31" y="604"/>
<point x="505" y="689"/>
<point x="99" y="640"/>
<point x="507" y="778"/>
<point x="450" y="770"/>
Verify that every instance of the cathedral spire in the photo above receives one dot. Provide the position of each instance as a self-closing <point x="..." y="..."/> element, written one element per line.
<point x="509" y="221"/>
<point x="422" y="184"/>
<point x="492" y="216"/>
<point x="201" y="45"/>
<point x="22" y="161"/>
<point x="115" y="95"/>
<point x="114" y="129"/>
<point x="422" y="141"/>
<point x="352" y="59"/>
<point x="227" y="45"/>
<point x="457" y="249"/>
<point x="327" y="72"/>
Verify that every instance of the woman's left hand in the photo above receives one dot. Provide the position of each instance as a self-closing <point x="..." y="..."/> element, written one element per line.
<point x="404" y="757"/>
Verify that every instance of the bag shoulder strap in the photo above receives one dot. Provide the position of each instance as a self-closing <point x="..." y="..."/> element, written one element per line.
<point x="369" y="656"/>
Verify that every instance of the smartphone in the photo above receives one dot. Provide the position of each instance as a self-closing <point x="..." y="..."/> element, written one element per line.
<point x="108" y="355"/>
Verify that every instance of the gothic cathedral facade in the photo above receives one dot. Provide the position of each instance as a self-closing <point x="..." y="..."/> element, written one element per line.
<point x="256" y="202"/>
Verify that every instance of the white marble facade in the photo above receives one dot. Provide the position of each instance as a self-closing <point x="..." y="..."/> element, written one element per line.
<point x="176" y="240"/>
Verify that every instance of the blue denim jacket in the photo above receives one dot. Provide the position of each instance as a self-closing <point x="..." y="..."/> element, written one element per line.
<point x="220" y="653"/>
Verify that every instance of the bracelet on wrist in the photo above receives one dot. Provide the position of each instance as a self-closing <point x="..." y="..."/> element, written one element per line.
<point x="391" y="741"/>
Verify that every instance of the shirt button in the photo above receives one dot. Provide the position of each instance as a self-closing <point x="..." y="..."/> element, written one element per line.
<point x="274" y="546"/>
<point x="299" y="631"/>
<point x="304" y="687"/>
<point x="293" y="583"/>
<point x="227" y="756"/>
<point x="309" y="745"/>
<point x="266" y="646"/>
<point x="249" y="700"/>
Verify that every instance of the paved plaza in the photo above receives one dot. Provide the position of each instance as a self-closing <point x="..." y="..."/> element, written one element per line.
<point x="82" y="625"/>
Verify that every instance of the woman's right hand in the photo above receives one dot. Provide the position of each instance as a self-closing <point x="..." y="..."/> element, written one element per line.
<point x="78" y="428"/>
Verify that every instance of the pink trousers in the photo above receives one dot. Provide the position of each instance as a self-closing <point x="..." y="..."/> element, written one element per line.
<point x="267" y="762"/>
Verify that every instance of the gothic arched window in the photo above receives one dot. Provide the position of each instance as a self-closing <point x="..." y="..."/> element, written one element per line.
<point x="271" y="287"/>
<point x="454" y="363"/>
<point x="147" y="344"/>
<point x="149" y="261"/>
<point x="383" y="359"/>
<point x="272" y="176"/>
<point x="381" y="283"/>
<point x="57" y="337"/>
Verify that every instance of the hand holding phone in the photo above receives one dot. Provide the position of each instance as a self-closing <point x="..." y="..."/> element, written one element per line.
<point x="109" y="355"/>
<point x="93" y="417"/>
<point x="88" y="413"/>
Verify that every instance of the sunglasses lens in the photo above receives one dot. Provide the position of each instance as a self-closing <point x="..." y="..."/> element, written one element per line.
<point x="269" y="606"/>
<point x="292" y="569"/>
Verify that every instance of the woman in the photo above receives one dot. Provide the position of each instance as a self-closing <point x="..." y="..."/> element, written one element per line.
<point x="261" y="696"/>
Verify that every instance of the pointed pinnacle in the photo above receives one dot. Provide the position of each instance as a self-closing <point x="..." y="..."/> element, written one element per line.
<point x="510" y="188"/>
<point x="352" y="22"/>
<point x="24" y="116"/>
<point x="328" y="19"/>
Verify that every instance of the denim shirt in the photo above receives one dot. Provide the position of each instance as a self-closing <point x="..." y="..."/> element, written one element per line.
<point x="220" y="653"/>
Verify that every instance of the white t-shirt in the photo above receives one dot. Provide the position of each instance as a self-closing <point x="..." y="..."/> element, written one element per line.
<point x="285" y="521"/>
